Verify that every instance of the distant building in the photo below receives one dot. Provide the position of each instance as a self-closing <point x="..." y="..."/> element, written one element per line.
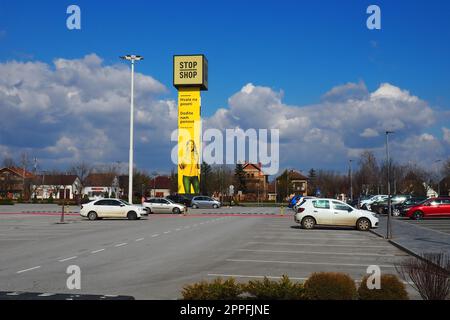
<point x="297" y="184"/>
<point x="256" y="182"/>
<point x="444" y="186"/>
<point x="15" y="183"/>
<point x="57" y="186"/>
<point x="101" y="185"/>
<point x="160" y="186"/>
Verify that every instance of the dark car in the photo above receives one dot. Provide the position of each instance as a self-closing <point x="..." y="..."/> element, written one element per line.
<point x="382" y="207"/>
<point x="398" y="207"/>
<point x="181" y="199"/>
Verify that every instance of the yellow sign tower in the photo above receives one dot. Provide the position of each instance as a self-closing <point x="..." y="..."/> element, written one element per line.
<point x="190" y="76"/>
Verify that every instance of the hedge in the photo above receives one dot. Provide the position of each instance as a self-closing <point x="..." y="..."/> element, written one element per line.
<point x="391" y="288"/>
<point x="330" y="286"/>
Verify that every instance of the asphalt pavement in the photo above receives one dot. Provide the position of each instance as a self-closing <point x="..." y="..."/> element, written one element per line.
<point x="155" y="257"/>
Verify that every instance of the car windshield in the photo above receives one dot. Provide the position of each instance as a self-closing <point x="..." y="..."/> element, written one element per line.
<point x="124" y="202"/>
<point x="169" y="200"/>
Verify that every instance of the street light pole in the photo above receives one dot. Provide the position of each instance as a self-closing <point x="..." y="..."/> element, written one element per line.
<point x="351" y="181"/>
<point x="131" y="58"/>
<point x="388" y="162"/>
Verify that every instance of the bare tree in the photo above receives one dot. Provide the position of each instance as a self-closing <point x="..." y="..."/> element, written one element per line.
<point x="82" y="170"/>
<point x="8" y="162"/>
<point x="430" y="276"/>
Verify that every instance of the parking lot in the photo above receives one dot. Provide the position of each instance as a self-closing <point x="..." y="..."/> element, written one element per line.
<point x="155" y="257"/>
<point x="436" y="224"/>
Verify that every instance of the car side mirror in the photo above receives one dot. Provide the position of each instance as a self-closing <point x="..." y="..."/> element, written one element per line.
<point x="349" y="209"/>
<point x="122" y="205"/>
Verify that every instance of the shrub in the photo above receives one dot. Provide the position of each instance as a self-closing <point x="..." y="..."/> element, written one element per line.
<point x="50" y="199"/>
<point x="430" y="276"/>
<point x="216" y="290"/>
<point x="391" y="288"/>
<point x="266" y="289"/>
<point x="330" y="286"/>
<point x="6" y="202"/>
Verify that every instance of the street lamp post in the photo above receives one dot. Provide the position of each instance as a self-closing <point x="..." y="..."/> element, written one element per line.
<point x="131" y="58"/>
<point x="388" y="162"/>
<point x="351" y="181"/>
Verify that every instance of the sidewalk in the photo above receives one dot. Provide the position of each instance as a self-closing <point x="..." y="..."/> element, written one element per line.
<point x="414" y="239"/>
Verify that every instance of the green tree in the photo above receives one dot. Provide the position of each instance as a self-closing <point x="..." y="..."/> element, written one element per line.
<point x="205" y="178"/>
<point x="239" y="175"/>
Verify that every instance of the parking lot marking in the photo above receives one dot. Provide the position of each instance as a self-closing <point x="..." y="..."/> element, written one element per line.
<point x="166" y="232"/>
<point x="155" y="235"/>
<point x="140" y="239"/>
<point x="318" y="252"/>
<point x="67" y="259"/>
<point x="249" y="276"/>
<point x="315" y="244"/>
<point x="309" y="263"/>
<point x="121" y="244"/>
<point x="97" y="251"/>
<point x="26" y="270"/>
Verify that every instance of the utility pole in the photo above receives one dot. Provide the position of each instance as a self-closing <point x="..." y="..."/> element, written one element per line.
<point x="438" y="177"/>
<point x="388" y="162"/>
<point x="131" y="58"/>
<point x="351" y="181"/>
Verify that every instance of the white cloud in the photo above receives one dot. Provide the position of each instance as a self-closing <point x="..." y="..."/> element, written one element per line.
<point x="446" y="134"/>
<point x="369" y="133"/>
<point x="79" y="110"/>
<point x="328" y="133"/>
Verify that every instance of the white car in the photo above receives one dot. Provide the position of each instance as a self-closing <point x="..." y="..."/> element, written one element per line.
<point x="333" y="212"/>
<point x="365" y="204"/>
<point x="112" y="208"/>
<point x="161" y="205"/>
<point x="300" y="202"/>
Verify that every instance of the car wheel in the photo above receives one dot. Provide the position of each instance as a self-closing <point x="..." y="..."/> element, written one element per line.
<point x="308" y="223"/>
<point x="194" y="206"/>
<point x="363" y="224"/>
<point x="215" y="206"/>
<point x="92" y="216"/>
<point x="396" y="212"/>
<point x="132" y="215"/>
<point x="149" y="210"/>
<point x="176" y="211"/>
<point x="380" y="211"/>
<point x="418" y="215"/>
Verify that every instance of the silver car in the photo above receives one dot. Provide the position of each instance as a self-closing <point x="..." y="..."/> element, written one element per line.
<point x="162" y="205"/>
<point x="204" y="202"/>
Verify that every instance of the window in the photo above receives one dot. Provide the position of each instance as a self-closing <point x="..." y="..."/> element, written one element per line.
<point x="164" y="201"/>
<point x="445" y="201"/>
<point x="102" y="203"/>
<point x="321" y="204"/>
<point x="341" y="206"/>
<point x="114" y="203"/>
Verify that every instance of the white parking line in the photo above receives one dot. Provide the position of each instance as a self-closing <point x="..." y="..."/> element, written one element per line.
<point x="67" y="259"/>
<point x="324" y="253"/>
<point x="166" y="232"/>
<point x="97" y="251"/>
<point x="155" y="235"/>
<point x="177" y="229"/>
<point x="314" y="244"/>
<point x="121" y="244"/>
<point x="22" y="271"/>
<point x="140" y="239"/>
<point x="308" y="263"/>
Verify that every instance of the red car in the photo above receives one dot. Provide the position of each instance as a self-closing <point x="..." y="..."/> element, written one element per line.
<point x="433" y="207"/>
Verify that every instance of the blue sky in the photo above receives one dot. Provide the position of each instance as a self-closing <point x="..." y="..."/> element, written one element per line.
<point x="301" y="48"/>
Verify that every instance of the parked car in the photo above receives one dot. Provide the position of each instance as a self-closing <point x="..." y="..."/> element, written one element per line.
<point x="382" y="207"/>
<point x="181" y="199"/>
<point x="365" y="204"/>
<point x="205" y="202"/>
<point x="112" y="208"/>
<point x="334" y="212"/>
<point x="433" y="207"/>
<point x="300" y="202"/>
<point x="402" y="208"/>
<point x="161" y="205"/>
